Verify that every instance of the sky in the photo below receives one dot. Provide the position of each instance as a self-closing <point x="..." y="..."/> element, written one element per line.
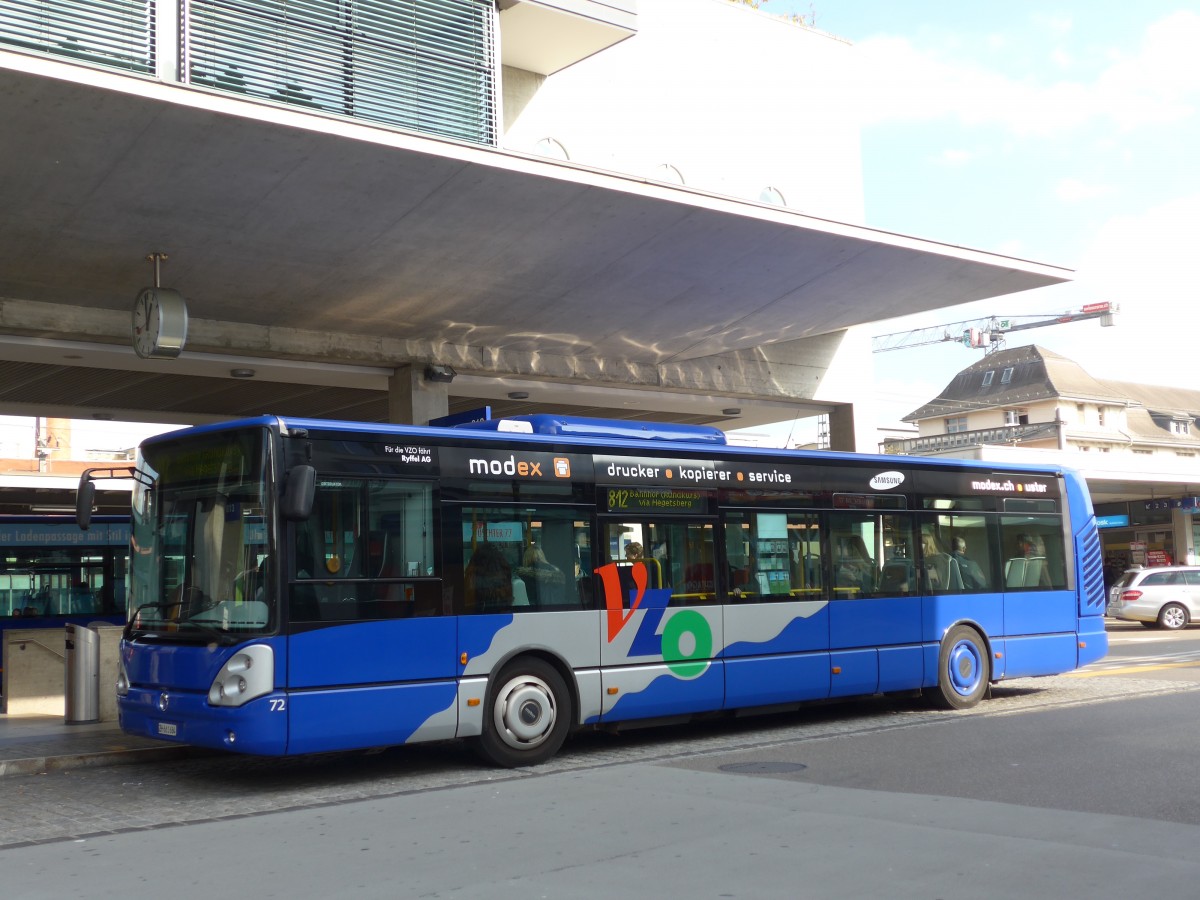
<point x="1064" y="133"/>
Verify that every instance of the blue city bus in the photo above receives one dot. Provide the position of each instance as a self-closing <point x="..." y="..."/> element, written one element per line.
<point x="51" y="573"/>
<point x="300" y="586"/>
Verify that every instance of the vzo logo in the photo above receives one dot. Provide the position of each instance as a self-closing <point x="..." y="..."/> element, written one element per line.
<point x="686" y="641"/>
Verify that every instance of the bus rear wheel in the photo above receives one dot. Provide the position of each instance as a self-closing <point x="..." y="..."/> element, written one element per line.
<point x="964" y="669"/>
<point x="527" y="716"/>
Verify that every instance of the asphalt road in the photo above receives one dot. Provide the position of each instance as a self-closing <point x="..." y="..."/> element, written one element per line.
<point x="1063" y="787"/>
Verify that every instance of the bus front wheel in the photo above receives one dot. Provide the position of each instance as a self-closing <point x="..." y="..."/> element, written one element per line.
<point x="964" y="669"/>
<point x="528" y="714"/>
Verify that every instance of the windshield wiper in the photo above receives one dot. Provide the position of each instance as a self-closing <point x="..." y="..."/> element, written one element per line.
<point x="164" y="605"/>
<point x="161" y="605"/>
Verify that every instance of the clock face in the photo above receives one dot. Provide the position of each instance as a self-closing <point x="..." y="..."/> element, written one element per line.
<point x="159" y="324"/>
<point x="147" y="323"/>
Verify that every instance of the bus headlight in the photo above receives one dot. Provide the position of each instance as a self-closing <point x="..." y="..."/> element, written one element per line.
<point x="248" y="674"/>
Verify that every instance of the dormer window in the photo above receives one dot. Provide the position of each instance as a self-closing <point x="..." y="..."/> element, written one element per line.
<point x="1006" y="375"/>
<point x="988" y="376"/>
<point x="1181" y="426"/>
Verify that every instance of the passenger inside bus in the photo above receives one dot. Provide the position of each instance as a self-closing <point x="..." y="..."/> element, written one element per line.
<point x="489" y="580"/>
<point x="543" y="583"/>
<point x="854" y="568"/>
<point x="939" y="569"/>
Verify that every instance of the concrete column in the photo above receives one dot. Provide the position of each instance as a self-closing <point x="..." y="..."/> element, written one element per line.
<point x="414" y="401"/>
<point x="844" y="433"/>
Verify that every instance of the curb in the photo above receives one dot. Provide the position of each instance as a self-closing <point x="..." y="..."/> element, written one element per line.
<point x="44" y="765"/>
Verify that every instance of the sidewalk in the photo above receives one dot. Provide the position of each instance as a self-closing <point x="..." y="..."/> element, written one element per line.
<point x="33" y="745"/>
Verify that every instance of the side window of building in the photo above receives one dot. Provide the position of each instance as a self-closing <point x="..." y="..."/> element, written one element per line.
<point x="872" y="554"/>
<point x="773" y="556"/>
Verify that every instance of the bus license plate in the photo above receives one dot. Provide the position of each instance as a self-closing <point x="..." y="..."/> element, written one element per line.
<point x="168" y="728"/>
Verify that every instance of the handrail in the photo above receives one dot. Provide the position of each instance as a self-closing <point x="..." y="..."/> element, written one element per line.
<point x="23" y="641"/>
<point x="1007" y="434"/>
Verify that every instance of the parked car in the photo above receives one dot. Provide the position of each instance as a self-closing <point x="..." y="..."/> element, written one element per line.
<point x="1163" y="597"/>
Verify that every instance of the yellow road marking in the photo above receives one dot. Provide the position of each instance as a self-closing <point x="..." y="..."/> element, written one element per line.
<point x="1128" y="670"/>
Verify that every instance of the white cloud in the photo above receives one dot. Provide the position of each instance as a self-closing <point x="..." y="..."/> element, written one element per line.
<point x="1159" y="82"/>
<point x="1072" y="190"/>
<point x="1148" y="265"/>
<point x="1054" y="23"/>
<point x="952" y="157"/>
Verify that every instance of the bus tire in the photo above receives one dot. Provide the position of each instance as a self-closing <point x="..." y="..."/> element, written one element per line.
<point x="528" y="714"/>
<point x="964" y="669"/>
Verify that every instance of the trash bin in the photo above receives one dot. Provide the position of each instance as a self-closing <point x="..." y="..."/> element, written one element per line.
<point x="82" y="675"/>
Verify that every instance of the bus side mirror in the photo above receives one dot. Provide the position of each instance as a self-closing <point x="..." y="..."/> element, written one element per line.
<point x="84" y="498"/>
<point x="299" y="493"/>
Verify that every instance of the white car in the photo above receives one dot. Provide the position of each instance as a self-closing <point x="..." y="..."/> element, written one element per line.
<point x="1164" y="597"/>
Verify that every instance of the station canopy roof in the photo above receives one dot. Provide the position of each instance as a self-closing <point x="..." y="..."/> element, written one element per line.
<point x="322" y="252"/>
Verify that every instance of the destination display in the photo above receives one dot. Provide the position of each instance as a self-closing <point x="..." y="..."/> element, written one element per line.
<point x="656" y="500"/>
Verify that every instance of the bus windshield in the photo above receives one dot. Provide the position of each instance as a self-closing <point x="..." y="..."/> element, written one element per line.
<point x="199" y="555"/>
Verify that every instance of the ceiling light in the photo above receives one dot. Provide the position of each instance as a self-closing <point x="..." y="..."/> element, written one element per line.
<point x="518" y="395"/>
<point x="242" y="373"/>
<point x="440" y="374"/>
<point x="732" y="411"/>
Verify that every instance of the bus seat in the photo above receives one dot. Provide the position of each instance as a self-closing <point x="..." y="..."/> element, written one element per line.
<point x="1024" y="571"/>
<point x="896" y="577"/>
<point x="944" y="574"/>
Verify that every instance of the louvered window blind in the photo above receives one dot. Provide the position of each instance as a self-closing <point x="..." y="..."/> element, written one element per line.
<point x="424" y="65"/>
<point x="104" y="32"/>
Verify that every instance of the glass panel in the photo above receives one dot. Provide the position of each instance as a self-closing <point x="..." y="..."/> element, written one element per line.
<point x="377" y="534"/>
<point x="773" y="556"/>
<point x="956" y="554"/>
<point x="872" y="555"/>
<point x="114" y="33"/>
<point x="523" y="559"/>
<point x="678" y="556"/>
<point x="425" y="65"/>
<point x="201" y="538"/>
<point x="1033" y="553"/>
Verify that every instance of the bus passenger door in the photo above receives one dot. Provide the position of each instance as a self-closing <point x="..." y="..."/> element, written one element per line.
<point x="661" y="632"/>
<point x="1040" y="612"/>
<point x="875" y="614"/>
<point x="776" y="611"/>
<point x="372" y="651"/>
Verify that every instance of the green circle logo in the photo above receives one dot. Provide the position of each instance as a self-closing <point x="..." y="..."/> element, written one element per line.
<point x="687" y="644"/>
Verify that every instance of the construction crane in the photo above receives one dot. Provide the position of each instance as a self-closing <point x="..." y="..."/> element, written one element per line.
<point x="988" y="333"/>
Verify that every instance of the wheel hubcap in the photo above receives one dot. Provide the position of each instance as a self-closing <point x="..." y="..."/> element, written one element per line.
<point x="965" y="667"/>
<point x="524" y="712"/>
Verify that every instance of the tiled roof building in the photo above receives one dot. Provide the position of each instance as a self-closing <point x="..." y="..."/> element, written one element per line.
<point x="1031" y="396"/>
